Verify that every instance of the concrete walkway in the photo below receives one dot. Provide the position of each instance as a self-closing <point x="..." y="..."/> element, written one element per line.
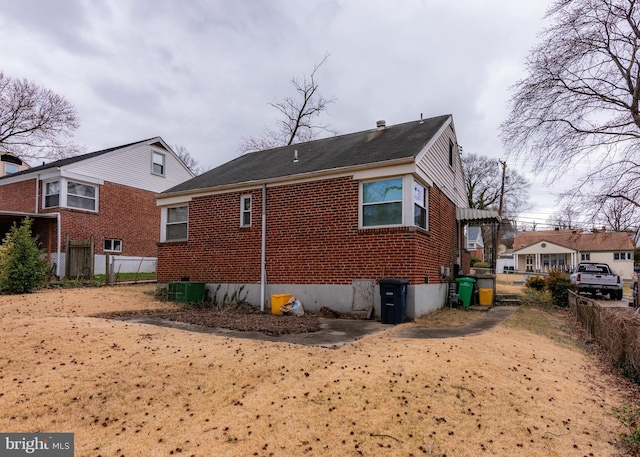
<point x="493" y="317"/>
<point x="337" y="332"/>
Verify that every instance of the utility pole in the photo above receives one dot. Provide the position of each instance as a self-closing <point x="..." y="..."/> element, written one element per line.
<point x="504" y="172"/>
<point x="497" y="241"/>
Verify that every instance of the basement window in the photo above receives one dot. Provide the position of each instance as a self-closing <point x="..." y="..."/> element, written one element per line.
<point x="112" y="245"/>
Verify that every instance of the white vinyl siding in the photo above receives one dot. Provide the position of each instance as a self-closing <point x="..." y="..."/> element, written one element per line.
<point x="434" y="161"/>
<point x="131" y="167"/>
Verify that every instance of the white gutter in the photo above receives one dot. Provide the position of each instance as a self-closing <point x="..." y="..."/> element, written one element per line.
<point x="263" y="260"/>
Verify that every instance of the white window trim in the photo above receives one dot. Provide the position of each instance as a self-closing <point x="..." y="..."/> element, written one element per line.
<point x="407" y="201"/>
<point x="62" y="195"/>
<point x="426" y="203"/>
<point x="164" y="163"/>
<point x="112" y="240"/>
<point x="164" y="217"/>
<point x="244" y="198"/>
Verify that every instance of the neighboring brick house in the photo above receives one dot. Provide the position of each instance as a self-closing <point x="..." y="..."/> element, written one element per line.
<point x="540" y="251"/>
<point x="107" y="195"/>
<point x="325" y="220"/>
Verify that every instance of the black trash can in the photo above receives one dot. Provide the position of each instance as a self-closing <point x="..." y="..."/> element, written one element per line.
<point x="393" y="300"/>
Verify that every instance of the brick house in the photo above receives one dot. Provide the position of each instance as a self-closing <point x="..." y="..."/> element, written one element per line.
<point x="107" y="196"/>
<point x="325" y="220"/>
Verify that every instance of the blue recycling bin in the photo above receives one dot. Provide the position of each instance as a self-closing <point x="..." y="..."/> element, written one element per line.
<point x="393" y="300"/>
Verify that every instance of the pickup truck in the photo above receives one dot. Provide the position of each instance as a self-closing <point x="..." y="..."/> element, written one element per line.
<point x="596" y="278"/>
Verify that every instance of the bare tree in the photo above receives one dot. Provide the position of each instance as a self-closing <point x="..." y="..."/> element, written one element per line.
<point x="564" y="218"/>
<point x="34" y="121"/>
<point x="483" y="179"/>
<point x="618" y="215"/>
<point x="579" y="103"/>
<point x="300" y="116"/>
<point x="184" y="155"/>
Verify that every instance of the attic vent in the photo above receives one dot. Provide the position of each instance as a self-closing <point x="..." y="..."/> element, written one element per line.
<point x="382" y="124"/>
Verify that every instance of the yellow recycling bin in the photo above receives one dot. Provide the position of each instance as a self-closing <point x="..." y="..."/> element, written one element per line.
<point x="486" y="297"/>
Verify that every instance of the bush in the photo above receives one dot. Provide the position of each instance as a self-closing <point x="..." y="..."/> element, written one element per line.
<point x="559" y="285"/>
<point x="536" y="283"/>
<point x="536" y="298"/>
<point x="22" y="268"/>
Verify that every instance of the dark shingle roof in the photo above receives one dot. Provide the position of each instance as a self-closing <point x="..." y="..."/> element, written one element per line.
<point x="361" y="148"/>
<point x="70" y="160"/>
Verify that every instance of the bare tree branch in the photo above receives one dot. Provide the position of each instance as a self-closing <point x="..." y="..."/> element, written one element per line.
<point x="34" y="121"/>
<point x="301" y="116"/>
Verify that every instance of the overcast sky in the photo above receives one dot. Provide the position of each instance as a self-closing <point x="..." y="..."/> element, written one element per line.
<point x="201" y="74"/>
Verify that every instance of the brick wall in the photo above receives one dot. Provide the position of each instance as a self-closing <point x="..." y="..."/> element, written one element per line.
<point x="312" y="238"/>
<point x="124" y="213"/>
<point x="18" y="196"/>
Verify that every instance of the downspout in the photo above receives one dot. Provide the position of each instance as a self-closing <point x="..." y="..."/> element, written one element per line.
<point x="37" y="190"/>
<point x="263" y="260"/>
<point x="59" y="245"/>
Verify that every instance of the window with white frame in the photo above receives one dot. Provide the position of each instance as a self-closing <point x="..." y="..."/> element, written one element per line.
<point x="112" y="245"/>
<point x="245" y="211"/>
<point x="157" y="163"/>
<point x="177" y="220"/>
<point x="81" y="196"/>
<point x="585" y="256"/>
<point x="621" y="256"/>
<point x="419" y="205"/>
<point x="382" y="202"/>
<point x="10" y="168"/>
<point x="52" y="194"/>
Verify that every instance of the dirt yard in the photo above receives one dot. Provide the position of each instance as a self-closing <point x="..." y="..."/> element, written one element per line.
<point x="129" y="389"/>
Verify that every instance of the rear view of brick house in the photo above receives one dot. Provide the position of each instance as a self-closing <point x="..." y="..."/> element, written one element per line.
<point x="107" y="196"/>
<point x="325" y="220"/>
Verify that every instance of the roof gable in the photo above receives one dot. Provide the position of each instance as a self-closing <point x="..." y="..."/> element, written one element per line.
<point x="79" y="158"/>
<point x="403" y="141"/>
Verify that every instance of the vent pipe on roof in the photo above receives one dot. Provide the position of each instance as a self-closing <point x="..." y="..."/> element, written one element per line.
<point x="295" y="155"/>
<point x="421" y="120"/>
<point x="382" y="124"/>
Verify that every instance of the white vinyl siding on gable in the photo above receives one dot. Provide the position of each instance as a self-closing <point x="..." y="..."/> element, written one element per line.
<point x="131" y="166"/>
<point x="435" y="162"/>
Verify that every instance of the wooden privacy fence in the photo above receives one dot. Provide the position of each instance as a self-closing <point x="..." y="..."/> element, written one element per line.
<point x="616" y="330"/>
<point x="79" y="258"/>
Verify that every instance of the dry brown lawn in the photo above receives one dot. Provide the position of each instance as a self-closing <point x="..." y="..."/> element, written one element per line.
<point x="129" y="389"/>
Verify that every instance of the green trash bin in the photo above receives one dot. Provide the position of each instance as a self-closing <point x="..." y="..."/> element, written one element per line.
<point x="465" y="290"/>
<point x="186" y="292"/>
